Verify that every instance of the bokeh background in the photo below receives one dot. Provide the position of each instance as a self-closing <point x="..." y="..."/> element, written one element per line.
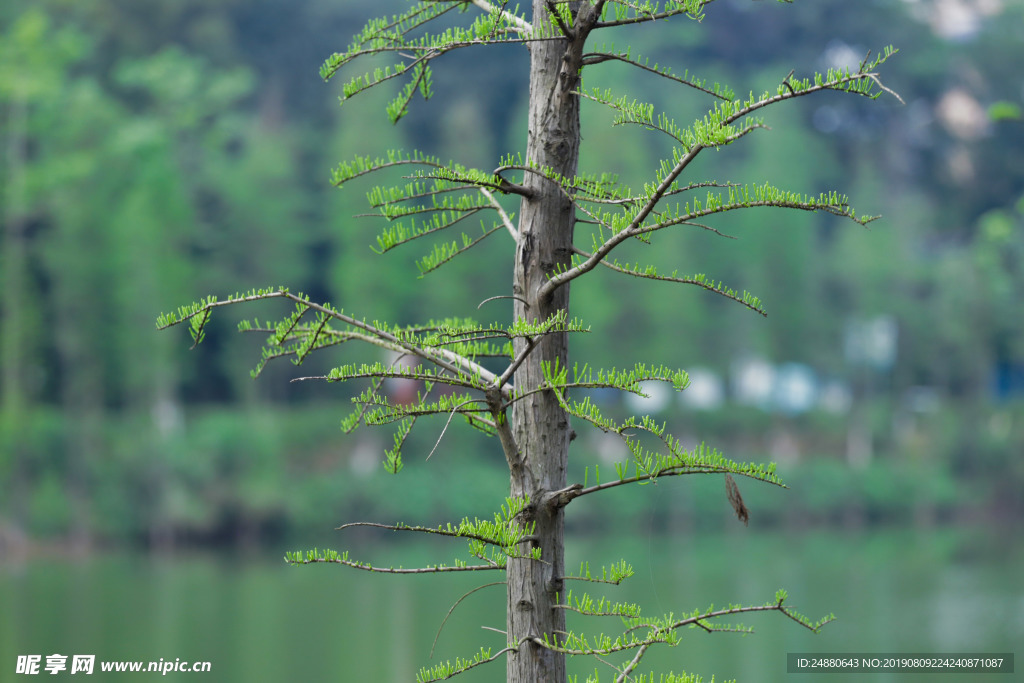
<point x="156" y="152"/>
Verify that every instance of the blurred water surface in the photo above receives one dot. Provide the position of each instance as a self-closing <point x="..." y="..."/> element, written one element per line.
<point x="256" y="619"/>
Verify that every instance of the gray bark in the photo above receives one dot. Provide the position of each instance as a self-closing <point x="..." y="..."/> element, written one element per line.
<point x="539" y="425"/>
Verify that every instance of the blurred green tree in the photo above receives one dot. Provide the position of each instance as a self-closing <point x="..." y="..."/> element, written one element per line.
<point x="104" y="211"/>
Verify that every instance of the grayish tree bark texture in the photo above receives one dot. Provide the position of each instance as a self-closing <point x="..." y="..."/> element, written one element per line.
<point x="540" y="426"/>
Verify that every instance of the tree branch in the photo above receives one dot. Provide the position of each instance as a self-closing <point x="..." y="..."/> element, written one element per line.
<point x="445" y="429"/>
<point x="577" y="490"/>
<point x="502" y="296"/>
<point x="457" y="603"/>
<point x="650" y="16"/>
<point x="531" y="344"/>
<point x="752" y="304"/>
<point x="438" y="569"/>
<point x="449" y="360"/>
<point x="592" y="58"/>
<point x="658" y="633"/>
<point x="636" y="226"/>
<point x="559" y="499"/>
<point x="524" y="27"/>
<point x="501" y="212"/>
<point x="633" y="664"/>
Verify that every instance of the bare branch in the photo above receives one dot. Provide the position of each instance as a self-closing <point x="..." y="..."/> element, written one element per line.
<point x="633" y="664"/>
<point x="562" y="497"/>
<point x="511" y="369"/>
<point x="450" y="416"/>
<point x="877" y="81"/>
<point x="457" y="602"/>
<point x="493" y="298"/>
<point x="501" y="212"/>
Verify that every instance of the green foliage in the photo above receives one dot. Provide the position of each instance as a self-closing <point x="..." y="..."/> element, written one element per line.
<point x="614" y="574"/>
<point x="1003" y="111"/>
<point x="641" y="632"/>
<point x="493" y="541"/>
<point x="394" y="36"/>
<point x="617" y="13"/>
<point x="440" y="672"/>
<point x="645" y="678"/>
<point x="607" y="53"/>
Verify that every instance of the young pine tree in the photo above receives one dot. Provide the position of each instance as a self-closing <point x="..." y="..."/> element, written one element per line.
<point x="568" y="225"/>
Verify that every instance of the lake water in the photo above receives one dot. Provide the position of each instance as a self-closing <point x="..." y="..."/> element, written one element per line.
<point x="256" y="619"/>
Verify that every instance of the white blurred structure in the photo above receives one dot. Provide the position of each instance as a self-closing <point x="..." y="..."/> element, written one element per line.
<point x="796" y="388"/>
<point x="706" y="390"/>
<point x="871" y="342"/>
<point x="659" y="394"/>
<point x="753" y="382"/>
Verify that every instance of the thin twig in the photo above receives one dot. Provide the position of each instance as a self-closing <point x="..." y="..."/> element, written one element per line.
<point x="454" y="410"/>
<point x="400" y="570"/>
<point x="501" y="212"/>
<point x="445" y="620"/>
<point x="517" y="298"/>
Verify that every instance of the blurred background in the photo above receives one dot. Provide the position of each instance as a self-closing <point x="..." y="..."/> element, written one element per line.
<point x="156" y="152"/>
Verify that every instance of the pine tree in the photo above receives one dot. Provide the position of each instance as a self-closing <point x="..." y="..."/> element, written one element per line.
<point x="532" y="404"/>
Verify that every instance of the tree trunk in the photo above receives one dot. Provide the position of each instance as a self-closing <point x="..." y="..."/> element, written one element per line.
<point x="540" y="427"/>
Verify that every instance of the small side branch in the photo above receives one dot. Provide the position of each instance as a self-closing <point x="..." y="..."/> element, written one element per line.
<point x="506" y="221"/>
<point x="443" y="431"/>
<point x="423" y="530"/>
<point x="562" y="497"/>
<point x="599" y="57"/>
<point x="644" y="15"/>
<point x="504" y="430"/>
<point x="726" y="115"/>
<point x="332" y="557"/>
<point x="531" y="344"/>
<point x="674" y="471"/>
<point x="661" y="631"/>
<point x="633" y="664"/>
<point x="447" y="670"/>
<point x="495" y="298"/>
<point x="745" y="299"/>
<point x="558" y="280"/>
<point x="452" y="609"/>
<point x="459" y="365"/>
